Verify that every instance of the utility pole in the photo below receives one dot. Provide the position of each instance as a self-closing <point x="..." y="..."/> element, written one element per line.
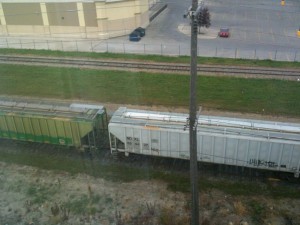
<point x="193" y="12"/>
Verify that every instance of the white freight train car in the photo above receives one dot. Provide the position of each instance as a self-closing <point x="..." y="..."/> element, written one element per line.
<point x="240" y="142"/>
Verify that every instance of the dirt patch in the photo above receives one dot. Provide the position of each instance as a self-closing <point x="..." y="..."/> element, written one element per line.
<point x="33" y="196"/>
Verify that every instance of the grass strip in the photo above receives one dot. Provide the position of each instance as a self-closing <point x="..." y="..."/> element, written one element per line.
<point x="155" y="58"/>
<point x="177" y="181"/>
<point x="272" y="97"/>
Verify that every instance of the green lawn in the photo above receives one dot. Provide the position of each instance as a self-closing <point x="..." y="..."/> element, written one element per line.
<point x="276" y="97"/>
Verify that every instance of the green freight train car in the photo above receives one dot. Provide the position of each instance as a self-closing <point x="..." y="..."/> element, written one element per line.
<point x="79" y="125"/>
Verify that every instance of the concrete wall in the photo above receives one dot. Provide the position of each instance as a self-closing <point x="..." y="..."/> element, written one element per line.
<point x="95" y="19"/>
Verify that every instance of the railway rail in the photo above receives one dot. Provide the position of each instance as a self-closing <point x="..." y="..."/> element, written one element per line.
<point x="240" y="71"/>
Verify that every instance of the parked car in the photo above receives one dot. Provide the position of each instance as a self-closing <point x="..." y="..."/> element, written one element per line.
<point x="141" y="30"/>
<point x="224" y="32"/>
<point x="134" y="36"/>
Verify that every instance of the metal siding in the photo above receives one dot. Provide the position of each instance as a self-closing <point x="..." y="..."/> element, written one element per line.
<point x="45" y="130"/>
<point x="277" y="149"/>
<point x="52" y="128"/>
<point x="295" y="159"/>
<point x="206" y="148"/>
<point x="68" y="131"/>
<point x="155" y="142"/>
<point x="28" y="129"/>
<point x="173" y="144"/>
<point x="3" y="127"/>
<point x="36" y="129"/>
<point x="128" y="138"/>
<point x="219" y="154"/>
<point x="212" y="148"/>
<point x="136" y="140"/>
<point x="84" y="128"/>
<point x="275" y="154"/>
<point x="11" y="126"/>
<point x="184" y="146"/>
<point x="253" y="149"/>
<point x="145" y="142"/>
<point x="20" y="128"/>
<point x="75" y="134"/>
<point x="164" y="148"/>
<point x="230" y="149"/>
<point x="285" y="157"/>
<point x="27" y="122"/>
<point x="60" y="132"/>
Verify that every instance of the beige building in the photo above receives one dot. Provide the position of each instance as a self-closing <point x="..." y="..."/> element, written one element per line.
<point x="99" y="19"/>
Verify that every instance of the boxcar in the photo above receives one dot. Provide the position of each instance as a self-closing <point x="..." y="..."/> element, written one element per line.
<point x="238" y="142"/>
<point x="78" y="125"/>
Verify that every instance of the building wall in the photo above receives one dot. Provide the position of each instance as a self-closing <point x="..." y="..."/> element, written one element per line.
<point x="95" y="19"/>
<point x="22" y="13"/>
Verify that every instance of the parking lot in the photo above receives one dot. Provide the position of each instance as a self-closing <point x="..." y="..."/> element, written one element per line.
<point x="258" y="30"/>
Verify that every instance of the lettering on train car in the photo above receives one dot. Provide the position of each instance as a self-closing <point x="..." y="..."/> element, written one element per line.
<point x="258" y="162"/>
<point x="136" y="142"/>
<point x="129" y="141"/>
<point x="154" y="149"/>
<point x="154" y="140"/>
<point x="146" y="146"/>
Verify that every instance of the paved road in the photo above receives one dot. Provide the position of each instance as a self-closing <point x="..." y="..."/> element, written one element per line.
<point x="259" y="29"/>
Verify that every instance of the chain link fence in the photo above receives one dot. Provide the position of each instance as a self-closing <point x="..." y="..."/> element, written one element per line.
<point x="87" y="45"/>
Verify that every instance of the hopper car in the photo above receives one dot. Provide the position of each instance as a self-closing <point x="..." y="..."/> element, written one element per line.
<point x="77" y="125"/>
<point x="247" y="143"/>
<point x="220" y="140"/>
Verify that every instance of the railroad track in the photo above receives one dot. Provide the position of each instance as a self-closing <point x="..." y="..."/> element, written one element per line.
<point x="149" y="66"/>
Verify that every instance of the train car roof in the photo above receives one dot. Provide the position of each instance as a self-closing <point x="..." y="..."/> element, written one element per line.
<point x="180" y="121"/>
<point x="71" y="111"/>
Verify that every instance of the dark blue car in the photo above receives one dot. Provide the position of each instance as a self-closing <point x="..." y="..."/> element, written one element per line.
<point x="134" y="36"/>
<point x="141" y="30"/>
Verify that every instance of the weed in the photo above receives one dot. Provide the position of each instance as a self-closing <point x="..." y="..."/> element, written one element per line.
<point x="239" y="208"/>
<point x="55" y="210"/>
<point x="83" y="205"/>
<point x="59" y="214"/>
<point x="150" y="208"/>
<point x="169" y="217"/>
<point x="108" y="200"/>
<point x="119" y="219"/>
<point x="39" y="194"/>
<point x="78" y="206"/>
<point x="258" y="211"/>
<point x="28" y="205"/>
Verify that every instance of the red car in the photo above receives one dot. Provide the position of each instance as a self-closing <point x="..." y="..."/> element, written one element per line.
<point x="224" y="32"/>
